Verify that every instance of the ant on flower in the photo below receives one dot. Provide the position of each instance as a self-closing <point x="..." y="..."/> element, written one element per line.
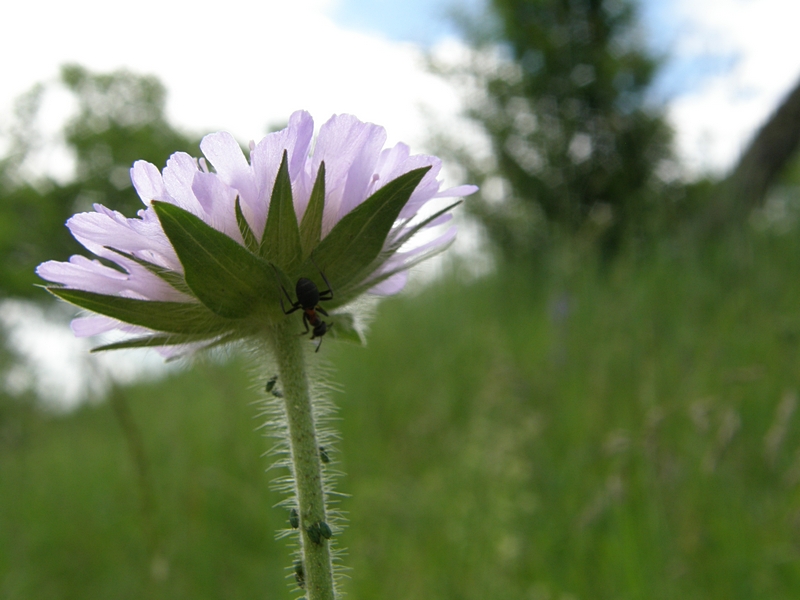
<point x="308" y="299"/>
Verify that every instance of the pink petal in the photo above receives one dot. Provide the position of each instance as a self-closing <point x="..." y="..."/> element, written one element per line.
<point x="94" y="325"/>
<point x="457" y="192"/>
<point x="390" y="286"/>
<point x="178" y="178"/>
<point x="266" y="158"/>
<point x="219" y="203"/>
<point x="222" y="150"/>
<point x="341" y="142"/>
<point x="147" y="181"/>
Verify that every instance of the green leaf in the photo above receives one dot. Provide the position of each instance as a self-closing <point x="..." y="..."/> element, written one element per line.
<point x="311" y="225"/>
<point x="170" y="317"/>
<point x="152" y="341"/>
<point x="342" y="327"/>
<point x="176" y="280"/>
<point x="361" y="284"/>
<point x="281" y="241"/>
<point x="364" y="285"/>
<point x="223" y="275"/>
<point x="357" y="240"/>
<point x="250" y="241"/>
<point x="415" y="229"/>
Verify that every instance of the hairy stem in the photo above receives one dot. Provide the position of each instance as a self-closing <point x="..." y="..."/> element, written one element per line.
<point x="304" y="450"/>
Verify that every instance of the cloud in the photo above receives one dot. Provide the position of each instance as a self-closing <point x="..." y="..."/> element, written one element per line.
<point x="715" y="120"/>
<point x="239" y="66"/>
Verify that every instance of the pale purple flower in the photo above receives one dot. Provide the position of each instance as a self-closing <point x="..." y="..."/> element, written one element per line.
<point x="357" y="165"/>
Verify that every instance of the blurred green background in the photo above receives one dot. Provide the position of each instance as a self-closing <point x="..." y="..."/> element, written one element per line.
<point x="609" y="413"/>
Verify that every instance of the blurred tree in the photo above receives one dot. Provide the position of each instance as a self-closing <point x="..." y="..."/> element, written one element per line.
<point x="769" y="156"/>
<point x="120" y="118"/>
<point x="575" y="144"/>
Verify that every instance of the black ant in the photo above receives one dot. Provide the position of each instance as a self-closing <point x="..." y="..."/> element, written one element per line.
<point x="308" y="299"/>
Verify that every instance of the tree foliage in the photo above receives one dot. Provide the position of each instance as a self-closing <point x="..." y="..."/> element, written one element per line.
<point x="575" y="143"/>
<point x="120" y="118"/>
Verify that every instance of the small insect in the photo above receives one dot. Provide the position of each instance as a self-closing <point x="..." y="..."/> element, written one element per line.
<point x="323" y="455"/>
<point x="324" y="530"/>
<point x="314" y="533"/>
<point x="294" y="518"/>
<point x="271" y="387"/>
<point x="308" y="299"/>
<point x="299" y="574"/>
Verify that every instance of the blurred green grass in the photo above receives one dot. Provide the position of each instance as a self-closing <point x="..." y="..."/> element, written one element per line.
<point x="568" y="431"/>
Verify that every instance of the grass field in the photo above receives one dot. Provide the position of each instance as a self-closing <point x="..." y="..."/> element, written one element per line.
<point x="567" y="431"/>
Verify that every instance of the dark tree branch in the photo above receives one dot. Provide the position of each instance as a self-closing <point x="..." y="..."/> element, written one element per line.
<point x="760" y="165"/>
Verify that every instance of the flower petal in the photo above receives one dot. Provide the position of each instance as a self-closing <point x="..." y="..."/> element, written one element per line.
<point x="350" y="150"/>
<point x="232" y="167"/>
<point x="266" y="157"/>
<point x="147" y="181"/>
<point x="390" y="286"/>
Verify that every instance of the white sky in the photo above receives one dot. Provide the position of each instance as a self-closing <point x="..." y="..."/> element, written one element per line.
<point x="246" y="64"/>
<point x="715" y="120"/>
<point x="242" y="65"/>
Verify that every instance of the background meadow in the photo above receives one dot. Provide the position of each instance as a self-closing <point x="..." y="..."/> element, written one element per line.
<point x="625" y="433"/>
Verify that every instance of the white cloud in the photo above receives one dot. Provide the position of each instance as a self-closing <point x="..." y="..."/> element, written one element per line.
<point x="715" y="122"/>
<point x="58" y="366"/>
<point x="239" y="66"/>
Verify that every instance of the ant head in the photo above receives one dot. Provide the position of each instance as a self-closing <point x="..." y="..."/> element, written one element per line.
<point x="320" y="329"/>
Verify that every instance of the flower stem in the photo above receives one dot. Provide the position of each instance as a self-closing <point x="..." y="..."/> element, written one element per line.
<point x="304" y="450"/>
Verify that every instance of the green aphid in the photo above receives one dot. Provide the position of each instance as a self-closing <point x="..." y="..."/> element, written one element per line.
<point x="324" y="530"/>
<point x="299" y="574"/>
<point x="271" y="387"/>
<point x="314" y="533"/>
<point x="323" y="455"/>
<point x="294" y="518"/>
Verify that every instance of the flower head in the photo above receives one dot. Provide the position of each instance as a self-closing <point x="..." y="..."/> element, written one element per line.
<point x="208" y="259"/>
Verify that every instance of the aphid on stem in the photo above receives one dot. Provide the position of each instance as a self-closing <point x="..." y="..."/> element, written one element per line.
<point x="314" y="533"/>
<point x="299" y="574"/>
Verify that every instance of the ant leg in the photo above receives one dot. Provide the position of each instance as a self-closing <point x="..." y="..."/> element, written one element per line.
<point x="328" y="328"/>
<point x="295" y="305"/>
<point x="305" y="322"/>
<point x="322" y="310"/>
<point x="324" y="295"/>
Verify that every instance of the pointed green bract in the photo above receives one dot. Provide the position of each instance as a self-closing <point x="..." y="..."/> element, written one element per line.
<point x="363" y="280"/>
<point x="169" y="317"/>
<point x="223" y="275"/>
<point x="358" y="238"/>
<point x="311" y="225"/>
<point x="153" y="341"/>
<point x="174" y="279"/>
<point x="396" y="244"/>
<point x="250" y="241"/>
<point x="364" y="286"/>
<point x="280" y="243"/>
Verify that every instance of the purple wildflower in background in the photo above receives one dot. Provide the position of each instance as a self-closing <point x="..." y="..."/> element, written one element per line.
<point x="206" y="261"/>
